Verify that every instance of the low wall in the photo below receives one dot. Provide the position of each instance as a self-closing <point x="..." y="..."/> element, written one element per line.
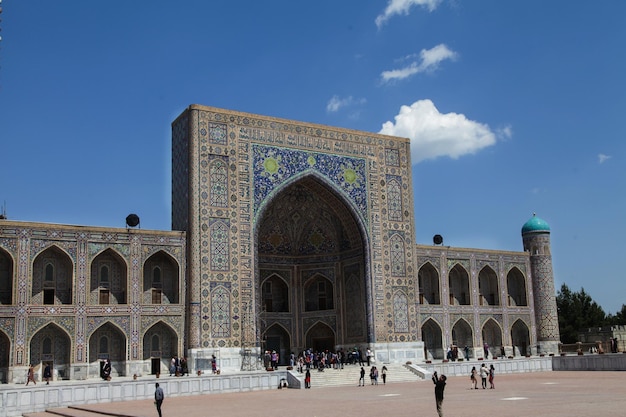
<point x="590" y="362"/>
<point x="18" y="399"/>
<point x="502" y="366"/>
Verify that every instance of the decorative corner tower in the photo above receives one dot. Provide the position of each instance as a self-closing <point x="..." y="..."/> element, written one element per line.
<point x="536" y="238"/>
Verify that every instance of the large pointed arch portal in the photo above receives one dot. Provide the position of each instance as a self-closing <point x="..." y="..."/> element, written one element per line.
<point x="310" y="237"/>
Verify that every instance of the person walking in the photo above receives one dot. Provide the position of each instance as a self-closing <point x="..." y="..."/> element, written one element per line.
<point x="106" y="370"/>
<point x="384" y="374"/>
<point x="307" y="379"/>
<point x="362" y="377"/>
<point x="473" y="378"/>
<point x="173" y="366"/>
<point x="30" y="375"/>
<point x="484" y="372"/>
<point x="47" y="374"/>
<point x="158" y="398"/>
<point x="440" y="385"/>
<point x="492" y="375"/>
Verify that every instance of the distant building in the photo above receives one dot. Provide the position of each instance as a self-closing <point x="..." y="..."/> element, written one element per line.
<point x="289" y="235"/>
<point x="602" y="336"/>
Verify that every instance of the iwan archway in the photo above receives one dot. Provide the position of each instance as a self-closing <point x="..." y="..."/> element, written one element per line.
<point x="312" y="267"/>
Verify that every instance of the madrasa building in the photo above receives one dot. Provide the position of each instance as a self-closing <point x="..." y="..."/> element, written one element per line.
<point x="285" y="236"/>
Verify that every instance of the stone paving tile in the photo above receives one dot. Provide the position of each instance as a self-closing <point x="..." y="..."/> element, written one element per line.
<point x="557" y="394"/>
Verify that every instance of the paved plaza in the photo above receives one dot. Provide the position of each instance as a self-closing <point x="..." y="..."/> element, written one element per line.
<point x="556" y="394"/>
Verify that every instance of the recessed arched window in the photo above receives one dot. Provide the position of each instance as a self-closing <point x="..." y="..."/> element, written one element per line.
<point x="49" y="276"/>
<point x="104" y="274"/>
<point x="156" y="276"/>
<point x="156" y="346"/>
<point x="104" y="344"/>
<point x="46" y="346"/>
<point x="318" y="295"/>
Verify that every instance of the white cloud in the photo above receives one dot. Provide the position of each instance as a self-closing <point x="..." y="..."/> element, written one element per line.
<point x="335" y="103"/>
<point x="402" y="7"/>
<point x="429" y="61"/>
<point x="434" y="134"/>
<point x="602" y="158"/>
<point x="505" y="132"/>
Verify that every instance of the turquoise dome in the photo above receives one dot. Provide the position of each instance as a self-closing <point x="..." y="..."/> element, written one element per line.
<point x="535" y="224"/>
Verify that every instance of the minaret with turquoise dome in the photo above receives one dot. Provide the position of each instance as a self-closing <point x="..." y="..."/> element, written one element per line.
<point x="536" y="238"/>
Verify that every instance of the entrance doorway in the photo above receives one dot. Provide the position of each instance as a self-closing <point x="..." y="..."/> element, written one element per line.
<point x="311" y="257"/>
<point x="278" y="340"/>
<point x="320" y="338"/>
<point x="155" y="366"/>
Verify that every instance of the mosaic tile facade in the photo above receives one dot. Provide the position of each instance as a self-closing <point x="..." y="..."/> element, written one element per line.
<point x="538" y="245"/>
<point x="287" y="235"/>
<point x="73" y="285"/>
<point x="285" y="167"/>
<point x="305" y="199"/>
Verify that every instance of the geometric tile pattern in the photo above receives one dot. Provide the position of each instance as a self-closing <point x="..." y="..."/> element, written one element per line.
<point x="219" y="233"/>
<point x="273" y="166"/>
<point x="401" y="312"/>
<point x="220" y="310"/>
<point x="219" y="182"/>
<point x="80" y="255"/>
<point x="394" y="197"/>
<point x="398" y="257"/>
<point x="392" y="157"/>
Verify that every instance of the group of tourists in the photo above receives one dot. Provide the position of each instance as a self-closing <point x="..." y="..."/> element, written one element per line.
<point x="485" y="374"/>
<point x="178" y="366"/>
<point x="321" y="360"/>
<point x="271" y="359"/>
<point x="373" y="375"/>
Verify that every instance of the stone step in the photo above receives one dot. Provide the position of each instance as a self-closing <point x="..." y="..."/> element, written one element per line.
<point x="350" y="375"/>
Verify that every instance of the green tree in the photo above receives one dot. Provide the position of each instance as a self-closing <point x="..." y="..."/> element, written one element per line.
<point x="577" y="311"/>
<point x="619" y="318"/>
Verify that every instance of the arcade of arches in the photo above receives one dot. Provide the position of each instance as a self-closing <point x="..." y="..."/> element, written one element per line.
<point x="64" y="303"/>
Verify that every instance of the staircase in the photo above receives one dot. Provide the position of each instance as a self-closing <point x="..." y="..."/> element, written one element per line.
<point x="350" y="375"/>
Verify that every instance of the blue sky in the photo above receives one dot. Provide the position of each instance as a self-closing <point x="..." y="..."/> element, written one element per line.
<point x="513" y="107"/>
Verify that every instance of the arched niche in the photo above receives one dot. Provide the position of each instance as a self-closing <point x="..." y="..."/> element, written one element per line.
<point x="458" y="279"/>
<point x="109" y="279"/>
<point x="489" y="292"/>
<point x="310" y="234"/>
<point x="516" y="287"/>
<point x="318" y="294"/>
<point x="520" y="338"/>
<point x="51" y="344"/>
<point x="275" y="294"/>
<point x="462" y="334"/>
<point x="161" y="281"/>
<point x="160" y="344"/>
<point x="433" y="340"/>
<point x="492" y="336"/>
<point x="53" y="272"/>
<point x="277" y="339"/>
<point x="429" y="288"/>
<point x="320" y="337"/>
<point x="6" y="278"/>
